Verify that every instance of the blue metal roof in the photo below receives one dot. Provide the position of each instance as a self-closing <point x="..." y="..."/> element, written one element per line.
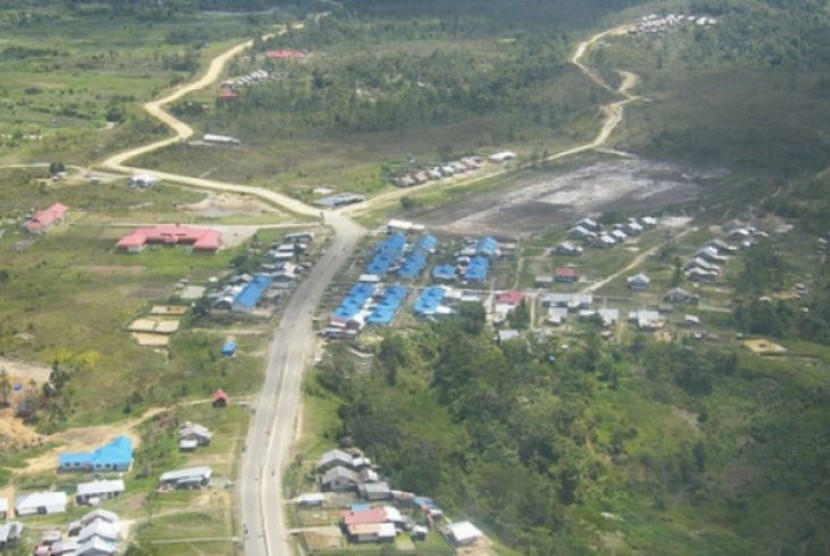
<point x="388" y="305"/>
<point x="487" y="246"/>
<point x="429" y="301"/>
<point x="444" y="272"/>
<point x="117" y="454"/>
<point x="249" y="296"/>
<point x="228" y="348"/>
<point x="477" y="269"/>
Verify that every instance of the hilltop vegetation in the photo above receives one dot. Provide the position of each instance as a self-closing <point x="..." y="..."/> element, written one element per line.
<point x="684" y="450"/>
<point x="747" y="94"/>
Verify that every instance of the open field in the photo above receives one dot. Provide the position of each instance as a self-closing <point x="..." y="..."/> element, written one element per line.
<point x="536" y="201"/>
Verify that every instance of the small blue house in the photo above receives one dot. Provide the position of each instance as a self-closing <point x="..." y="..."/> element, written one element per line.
<point x="114" y="456"/>
<point x="228" y="349"/>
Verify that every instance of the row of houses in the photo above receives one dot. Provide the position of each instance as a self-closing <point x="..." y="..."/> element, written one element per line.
<point x="378" y="519"/>
<point x="562" y="306"/>
<point x="654" y="23"/>
<point x="97" y="533"/>
<point x="447" y="170"/>
<point x="244" y="292"/>
<point x="705" y="265"/>
<point x="591" y="232"/>
<point x="242" y="81"/>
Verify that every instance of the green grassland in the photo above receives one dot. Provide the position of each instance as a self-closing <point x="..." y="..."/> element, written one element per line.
<point x="352" y="117"/>
<point x="97" y="66"/>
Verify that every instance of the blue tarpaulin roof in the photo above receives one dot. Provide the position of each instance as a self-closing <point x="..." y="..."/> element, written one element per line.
<point x="444" y="272"/>
<point x="388" y="305"/>
<point x="487" y="246"/>
<point x="116" y="454"/>
<point x="228" y="348"/>
<point x="429" y="301"/>
<point x="249" y="296"/>
<point x="386" y="253"/>
<point x="354" y="300"/>
<point x="477" y="269"/>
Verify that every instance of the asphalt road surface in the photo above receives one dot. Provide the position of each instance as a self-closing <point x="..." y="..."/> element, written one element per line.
<point x="271" y="434"/>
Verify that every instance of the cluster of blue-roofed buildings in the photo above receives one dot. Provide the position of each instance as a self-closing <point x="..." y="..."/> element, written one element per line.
<point x="403" y="255"/>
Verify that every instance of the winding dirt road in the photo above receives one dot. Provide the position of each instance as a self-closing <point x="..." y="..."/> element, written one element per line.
<point x="272" y="430"/>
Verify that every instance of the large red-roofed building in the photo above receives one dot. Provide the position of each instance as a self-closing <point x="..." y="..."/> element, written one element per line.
<point x="201" y="239"/>
<point x="45" y="219"/>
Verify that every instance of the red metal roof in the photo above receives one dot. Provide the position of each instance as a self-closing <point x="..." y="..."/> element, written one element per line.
<point x="220" y="395"/>
<point x="375" y="515"/>
<point x="566" y="272"/>
<point x="202" y="239"/>
<point x="513" y="297"/>
<point x="46" y="218"/>
<point x="227" y="95"/>
<point x="284" y="54"/>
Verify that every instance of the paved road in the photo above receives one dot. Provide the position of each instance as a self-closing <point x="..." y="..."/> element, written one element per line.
<point x="271" y="434"/>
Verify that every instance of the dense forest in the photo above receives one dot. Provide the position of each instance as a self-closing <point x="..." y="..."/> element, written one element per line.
<point x="683" y="449"/>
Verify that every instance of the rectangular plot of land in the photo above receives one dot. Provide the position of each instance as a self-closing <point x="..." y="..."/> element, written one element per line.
<point x="168" y="310"/>
<point x="143" y="325"/>
<point x="764" y="347"/>
<point x="149" y="339"/>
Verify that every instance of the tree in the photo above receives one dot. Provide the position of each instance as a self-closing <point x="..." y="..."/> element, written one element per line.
<point x="56" y="168"/>
<point x="5" y="387"/>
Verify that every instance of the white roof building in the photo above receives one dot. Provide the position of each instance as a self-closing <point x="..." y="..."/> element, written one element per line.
<point x="502" y="156"/>
<point x="99" y="528"/>
<point x="40" y="503"/>
<point x="464" y="532"/>
<point x="99" y="489"/>
<point x="192" y="476"/>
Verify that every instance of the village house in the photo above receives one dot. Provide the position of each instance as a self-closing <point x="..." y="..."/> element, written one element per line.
<point x="192" y="436"/>
<point x="544" y="281"/>
<point x="10" y="534"/>
<point x="117" y="455"/>
<point x="41" y="503"/>
<point x="700" y="275"/>
<point x="201" y="240"/>
<point x="143" y="181"/>
<point x="569" y="249"/>
<point x="710" y="254"/>
<point x="579" y="232"/>
<point x="638" y="282"/>
<point x="4" y="508"/>
<point x="374" y="491"/>
<point x="220" y="399"/>
<point x="646" y="320"/>
<point x="566" y="274"/>
<point x="339" y="479"/>
<point x="504" y="156"/>
<point x="681" y="296"/>
<point x="619" y="236"/>
<point x="589" y="224"/>
<point x="190" y="478"/>
<point x="46" y="219"/>
<point x="93" y="491"/>
<point x="98" y="514"/>
<point x="464" y="533"/>
<point x="556" y="316"/>
<point x="310" y="500"/>
<point x="569" y="301"/>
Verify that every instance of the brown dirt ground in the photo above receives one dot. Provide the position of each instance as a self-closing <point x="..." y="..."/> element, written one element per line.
<point x="534" y="202"/>
<point x="764" y="347"/>
<point x="228" y="204"/>
<point x="482" y="547"/>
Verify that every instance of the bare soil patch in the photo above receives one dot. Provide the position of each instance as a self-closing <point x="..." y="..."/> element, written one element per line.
<point x="764" y="347"/>
<point x="219" y="205"/>
<point x="534" y="202"/>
